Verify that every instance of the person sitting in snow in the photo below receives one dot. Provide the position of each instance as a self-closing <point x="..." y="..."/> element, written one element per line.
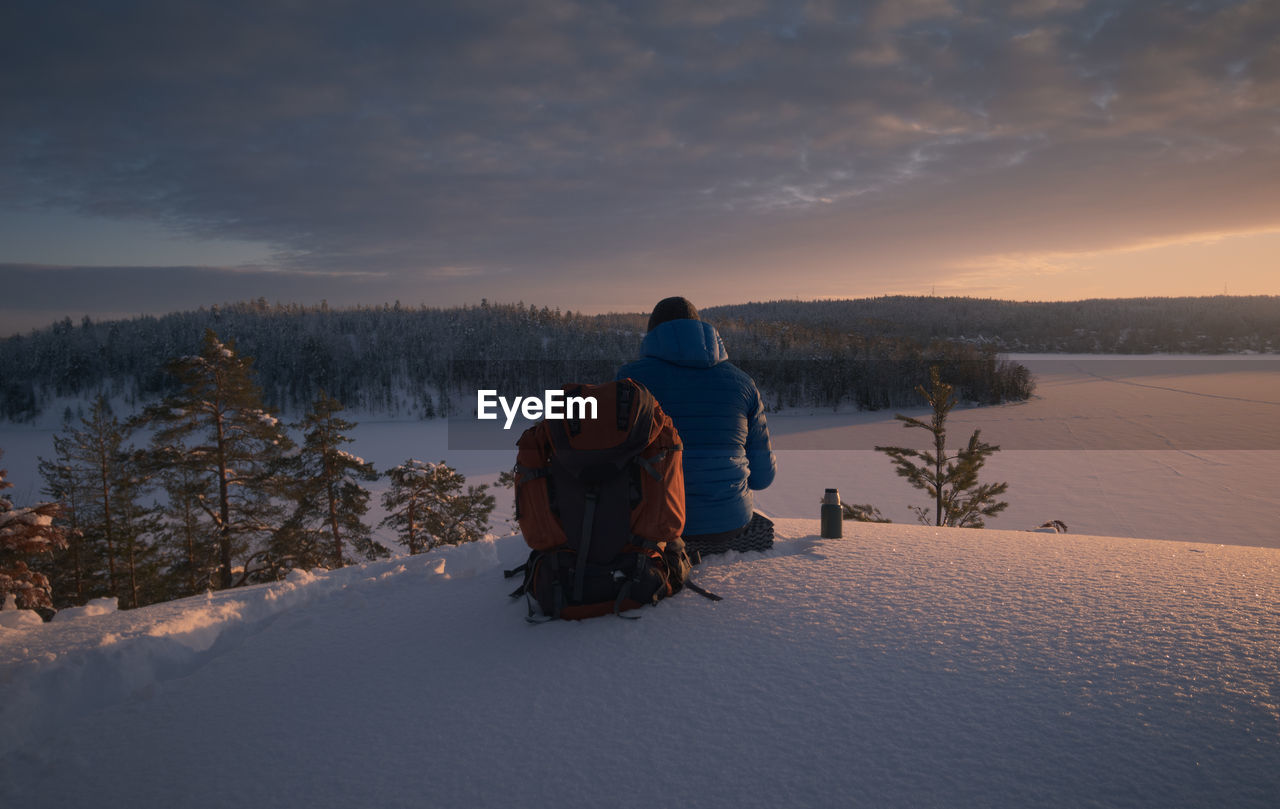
<point x="717" y="410"/>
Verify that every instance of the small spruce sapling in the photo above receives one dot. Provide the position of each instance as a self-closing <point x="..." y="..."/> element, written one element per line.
<point x="951" y="480"/>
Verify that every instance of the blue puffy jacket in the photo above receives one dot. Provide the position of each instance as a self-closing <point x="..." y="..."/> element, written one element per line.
<point x="717" y="411"/>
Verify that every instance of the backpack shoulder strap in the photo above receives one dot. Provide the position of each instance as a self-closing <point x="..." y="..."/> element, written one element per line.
<point x="584" y="547"/>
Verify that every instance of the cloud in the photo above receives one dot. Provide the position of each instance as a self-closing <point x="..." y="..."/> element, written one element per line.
<point x="160" y="289"/>
<point x="889" y="16"/>
<point x="462" y="272"/>
<point x="382" y="139"/>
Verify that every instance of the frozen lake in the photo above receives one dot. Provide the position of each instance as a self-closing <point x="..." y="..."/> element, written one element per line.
<point x="1182" y="448"/>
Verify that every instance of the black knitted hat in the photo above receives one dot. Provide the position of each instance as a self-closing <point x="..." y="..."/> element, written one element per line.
<point x="672" y="309"/>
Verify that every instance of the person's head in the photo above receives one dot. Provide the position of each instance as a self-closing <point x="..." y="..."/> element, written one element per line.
<point x="672" y="309"/>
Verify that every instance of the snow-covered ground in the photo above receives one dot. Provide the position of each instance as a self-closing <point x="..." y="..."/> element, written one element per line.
<point x="897" y="666"/>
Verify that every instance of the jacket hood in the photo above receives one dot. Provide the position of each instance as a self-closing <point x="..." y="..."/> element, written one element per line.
<point x="691" y="343"/>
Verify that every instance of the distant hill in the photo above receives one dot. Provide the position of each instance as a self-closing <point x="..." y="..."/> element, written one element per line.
<point x="424" y="362"/>
<point x="1211" y="325"/>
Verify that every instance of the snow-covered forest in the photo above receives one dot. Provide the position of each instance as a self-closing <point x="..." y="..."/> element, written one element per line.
<point x="425" y="362"/>
<point x="206" y="489"/>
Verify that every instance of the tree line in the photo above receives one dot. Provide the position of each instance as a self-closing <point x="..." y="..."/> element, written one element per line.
<point x="220" y="495"/>
<point x="428" y="362"/>
<point x="1203" y="325"/>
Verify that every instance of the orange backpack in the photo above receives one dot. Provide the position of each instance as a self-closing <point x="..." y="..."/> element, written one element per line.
<point x="600" y="502"/>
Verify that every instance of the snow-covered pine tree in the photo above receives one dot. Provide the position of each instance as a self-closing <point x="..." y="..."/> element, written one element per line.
<point x="426" y="506"/>
<point x="950" y="480"/>
<point x="227" y="437"/>
<point x="24" y="534"/>
<point x="326" y="528"/>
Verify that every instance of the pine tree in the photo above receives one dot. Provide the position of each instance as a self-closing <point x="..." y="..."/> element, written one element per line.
<point x="327" y="527"/>
<point x="84" y="463"/>
<point x="186" y="536"/>
<point x="139" y="523"/>
<point x="427" y="507"/>
<point x="229" y="439"/>
<point x="71" y="565"/>
<point x="26" y="533"/>
<point x="102" y="487"/>
<point x="950" y="480"/>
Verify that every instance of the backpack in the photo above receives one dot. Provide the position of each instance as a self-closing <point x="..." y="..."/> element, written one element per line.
<point x="600" y="502"/>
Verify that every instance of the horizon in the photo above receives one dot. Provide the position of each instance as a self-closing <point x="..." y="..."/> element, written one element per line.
<point x="161" y="156"/>
<point x="111" y="317"/>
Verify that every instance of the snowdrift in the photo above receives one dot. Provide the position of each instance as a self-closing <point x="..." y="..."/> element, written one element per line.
<point x="898" y="666"/>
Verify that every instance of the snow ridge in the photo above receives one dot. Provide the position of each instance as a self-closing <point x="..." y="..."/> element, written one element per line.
<point x="93" y="656"/>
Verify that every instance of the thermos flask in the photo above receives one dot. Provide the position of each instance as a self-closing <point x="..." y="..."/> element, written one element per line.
<point x="832" y="518"/>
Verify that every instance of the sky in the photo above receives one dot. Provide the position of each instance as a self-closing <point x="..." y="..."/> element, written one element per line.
<point x="597" y="156"/>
